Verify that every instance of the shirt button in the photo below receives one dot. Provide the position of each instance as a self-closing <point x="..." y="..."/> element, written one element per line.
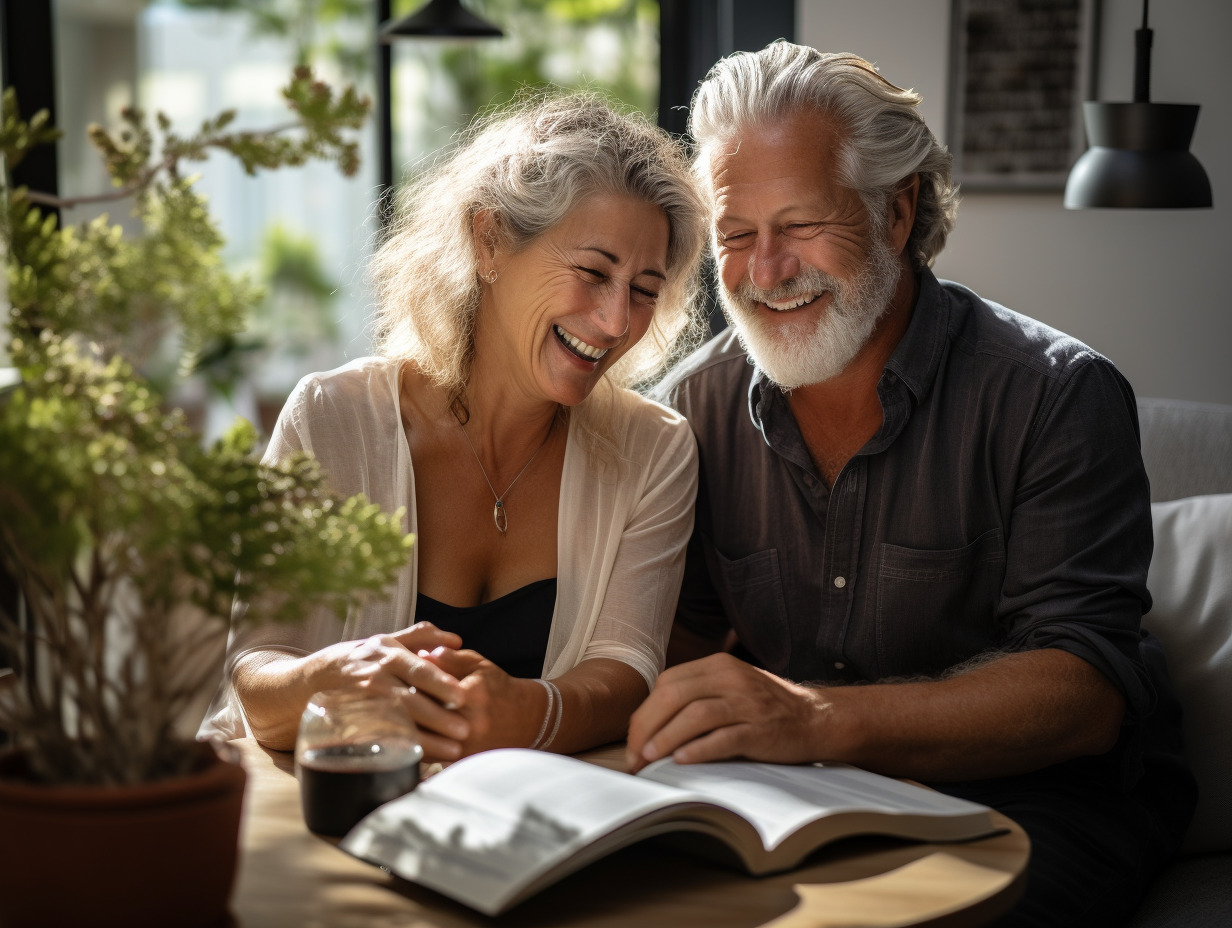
<point x="840" y="582"/>
<point x="839" y="665"/>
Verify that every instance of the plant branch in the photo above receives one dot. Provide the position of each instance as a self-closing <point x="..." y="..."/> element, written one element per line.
<point x="38" y="198"/>
<point x="168" y="164"/>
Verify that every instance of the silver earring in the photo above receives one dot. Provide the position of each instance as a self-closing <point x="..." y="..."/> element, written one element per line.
<point x="491" y="276"/>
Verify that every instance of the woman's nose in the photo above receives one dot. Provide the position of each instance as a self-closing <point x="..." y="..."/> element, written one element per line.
<point x="612" y="313"/>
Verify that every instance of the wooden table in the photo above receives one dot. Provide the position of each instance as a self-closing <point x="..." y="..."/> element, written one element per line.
<point x="290" y="877"/>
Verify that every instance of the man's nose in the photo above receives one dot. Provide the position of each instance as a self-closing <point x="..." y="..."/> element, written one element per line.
<point x="772" y="262"/>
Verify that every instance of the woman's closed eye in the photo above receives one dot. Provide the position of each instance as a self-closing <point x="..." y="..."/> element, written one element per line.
<point x="641" y="295"/>
<point x="644" y="295"/>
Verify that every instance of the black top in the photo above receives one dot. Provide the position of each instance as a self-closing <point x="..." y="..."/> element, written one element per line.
<point x="511" y="631"/>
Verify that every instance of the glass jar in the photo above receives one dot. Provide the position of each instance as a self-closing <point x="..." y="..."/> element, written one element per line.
<point x="355" y="751"/>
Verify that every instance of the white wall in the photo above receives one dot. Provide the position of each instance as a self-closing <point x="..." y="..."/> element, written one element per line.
<point x="1141" y="286"/>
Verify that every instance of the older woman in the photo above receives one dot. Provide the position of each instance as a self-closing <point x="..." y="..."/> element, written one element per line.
<point x="546" y="265"/>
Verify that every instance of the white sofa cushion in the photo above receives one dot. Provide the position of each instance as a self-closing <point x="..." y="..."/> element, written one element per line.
<point x="1191" y="584"/>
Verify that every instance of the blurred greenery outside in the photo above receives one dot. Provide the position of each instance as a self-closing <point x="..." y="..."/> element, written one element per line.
<point x="303" y="237"/>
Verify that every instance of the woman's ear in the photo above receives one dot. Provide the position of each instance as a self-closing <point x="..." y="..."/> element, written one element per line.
<point x="484" y="230"/>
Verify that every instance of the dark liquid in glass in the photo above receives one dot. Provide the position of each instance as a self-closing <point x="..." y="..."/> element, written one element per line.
<point x="340" y="785"/>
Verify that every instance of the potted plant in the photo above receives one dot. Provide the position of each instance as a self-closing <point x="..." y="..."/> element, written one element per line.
<point x="129" y="540"/>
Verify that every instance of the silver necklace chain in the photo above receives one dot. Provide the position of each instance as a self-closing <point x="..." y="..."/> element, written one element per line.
<point x="499" y="515"/>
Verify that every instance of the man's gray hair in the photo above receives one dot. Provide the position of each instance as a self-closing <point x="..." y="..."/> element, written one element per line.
<point x="885" y="138"/>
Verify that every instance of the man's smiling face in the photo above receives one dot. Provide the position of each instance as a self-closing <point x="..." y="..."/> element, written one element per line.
<point x="806" y="272"/>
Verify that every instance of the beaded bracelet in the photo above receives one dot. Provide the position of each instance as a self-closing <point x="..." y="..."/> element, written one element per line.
<point x="552" y="693"/>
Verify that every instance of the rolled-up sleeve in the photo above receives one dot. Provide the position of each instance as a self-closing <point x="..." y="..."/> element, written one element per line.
<point x="1079" y="540"/>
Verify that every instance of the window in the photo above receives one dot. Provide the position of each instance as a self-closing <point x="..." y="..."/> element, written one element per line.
<point x="306" y="233"/>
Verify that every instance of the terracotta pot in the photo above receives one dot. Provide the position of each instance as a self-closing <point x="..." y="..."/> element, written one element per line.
<point x="159" y="854"/>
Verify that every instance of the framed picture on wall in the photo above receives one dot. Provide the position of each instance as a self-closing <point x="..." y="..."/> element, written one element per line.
<point x="1019" y="71"/>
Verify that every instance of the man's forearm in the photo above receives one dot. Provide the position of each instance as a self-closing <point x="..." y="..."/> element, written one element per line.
<point x="1015" y="713"/>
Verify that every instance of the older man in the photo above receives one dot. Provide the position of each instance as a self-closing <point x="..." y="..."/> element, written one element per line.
<point x="908" y="487"/>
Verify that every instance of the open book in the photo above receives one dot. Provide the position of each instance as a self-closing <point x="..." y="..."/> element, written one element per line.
<point x="497" y="827"/>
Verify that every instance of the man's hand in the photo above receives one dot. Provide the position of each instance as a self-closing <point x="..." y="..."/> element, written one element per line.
<point x="720" y="707"/>
<point x="1010" y="714"/>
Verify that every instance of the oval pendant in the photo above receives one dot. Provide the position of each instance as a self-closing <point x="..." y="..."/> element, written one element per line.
<point x="499" y="517"/>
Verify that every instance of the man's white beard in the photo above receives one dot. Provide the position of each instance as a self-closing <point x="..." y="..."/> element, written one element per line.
<point x="802" y="348"/>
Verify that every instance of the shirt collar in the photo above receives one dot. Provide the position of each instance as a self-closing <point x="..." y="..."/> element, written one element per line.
<point x="772" y="416"/>
<point x="918" y="354"/>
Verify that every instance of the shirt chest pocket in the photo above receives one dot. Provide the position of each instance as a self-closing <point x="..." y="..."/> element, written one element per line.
<point x="936" y="608"/>
<point x="751" y="591"/>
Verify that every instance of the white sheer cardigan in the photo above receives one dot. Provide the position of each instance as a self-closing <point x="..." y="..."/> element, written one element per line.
<point x="621" y="532"/>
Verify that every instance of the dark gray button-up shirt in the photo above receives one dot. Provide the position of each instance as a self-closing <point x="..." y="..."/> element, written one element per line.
<point x="1002" y="505"/>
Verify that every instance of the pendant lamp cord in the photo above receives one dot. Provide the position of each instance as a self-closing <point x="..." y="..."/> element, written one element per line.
<point x="1142" y="59"/>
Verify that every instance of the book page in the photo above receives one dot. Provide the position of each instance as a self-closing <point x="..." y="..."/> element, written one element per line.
<point x="492" y="823"/>
<point x="780" y="799"/>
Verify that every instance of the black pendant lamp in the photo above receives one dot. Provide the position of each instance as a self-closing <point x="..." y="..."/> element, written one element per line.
<point x="1139" y="156"/>
<point x="440" y="19"/>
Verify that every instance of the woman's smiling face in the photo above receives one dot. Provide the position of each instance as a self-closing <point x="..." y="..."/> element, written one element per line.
<point x="564" y="308"/>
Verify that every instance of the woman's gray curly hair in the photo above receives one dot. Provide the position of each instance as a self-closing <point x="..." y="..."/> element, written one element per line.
<point x="530" y="166"/>
<point x="886" y="140"/>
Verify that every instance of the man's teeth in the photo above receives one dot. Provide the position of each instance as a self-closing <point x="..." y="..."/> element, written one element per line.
<point x="590" y="352"/>
<point x="794" y="302"/>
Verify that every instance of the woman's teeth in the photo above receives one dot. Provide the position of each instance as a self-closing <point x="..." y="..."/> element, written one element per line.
<point x="794" y="303"/>
<point x="579" y="347"/>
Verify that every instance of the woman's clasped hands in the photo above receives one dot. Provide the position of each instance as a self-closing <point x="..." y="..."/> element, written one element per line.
<point x="460" y="701"/>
